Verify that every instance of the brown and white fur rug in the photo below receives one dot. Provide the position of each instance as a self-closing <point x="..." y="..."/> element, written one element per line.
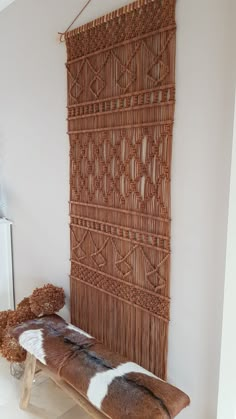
<point x="117" y="387"/>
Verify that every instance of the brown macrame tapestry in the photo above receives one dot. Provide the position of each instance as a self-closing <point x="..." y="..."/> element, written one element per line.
<point x="121" y="95"/>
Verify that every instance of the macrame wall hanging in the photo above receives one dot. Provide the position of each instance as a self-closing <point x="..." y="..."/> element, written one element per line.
<point x="121" y="95"/>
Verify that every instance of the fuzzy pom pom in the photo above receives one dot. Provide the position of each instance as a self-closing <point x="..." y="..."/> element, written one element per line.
<point x="21" y="315"/>
<point x="24" y="304"/>
<point x="3" y="323"/>
<point x="11" y="350"/>
<point x="47" y="300"/>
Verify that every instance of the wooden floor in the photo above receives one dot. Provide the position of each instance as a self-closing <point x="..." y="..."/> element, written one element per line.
<point x="47" y="400"/>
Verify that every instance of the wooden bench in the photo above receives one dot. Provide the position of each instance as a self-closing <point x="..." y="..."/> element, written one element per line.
<point x="32" y="367"/>
<point x="103" y="383"/>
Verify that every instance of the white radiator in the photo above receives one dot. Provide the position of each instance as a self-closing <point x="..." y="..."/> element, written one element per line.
<point x="6" y="266"/>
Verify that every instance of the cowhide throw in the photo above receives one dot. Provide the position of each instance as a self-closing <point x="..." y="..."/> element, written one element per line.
<point x="119" y="388"/>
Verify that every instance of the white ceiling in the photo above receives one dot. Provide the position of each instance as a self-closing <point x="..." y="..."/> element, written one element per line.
<point x="5" y="3"/>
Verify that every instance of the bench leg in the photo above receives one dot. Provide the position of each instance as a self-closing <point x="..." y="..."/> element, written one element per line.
<point x="30" y="365"/>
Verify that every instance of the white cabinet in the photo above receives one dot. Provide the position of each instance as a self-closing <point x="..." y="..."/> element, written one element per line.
<point x="6" y="266"/>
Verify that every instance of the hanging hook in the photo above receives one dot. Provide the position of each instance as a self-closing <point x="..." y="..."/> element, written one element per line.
<point x="62" y="34"/>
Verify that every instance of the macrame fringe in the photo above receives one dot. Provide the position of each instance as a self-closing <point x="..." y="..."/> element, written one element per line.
<point x="123" y="329"/>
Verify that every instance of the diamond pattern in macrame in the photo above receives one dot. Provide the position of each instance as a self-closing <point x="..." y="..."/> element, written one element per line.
<point x="111" y="164"/>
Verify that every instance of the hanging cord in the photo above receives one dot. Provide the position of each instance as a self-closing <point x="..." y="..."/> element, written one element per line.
<point x="62" y="34"/>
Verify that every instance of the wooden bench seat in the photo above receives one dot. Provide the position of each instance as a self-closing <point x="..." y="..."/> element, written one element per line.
<point x="104" y="383"/>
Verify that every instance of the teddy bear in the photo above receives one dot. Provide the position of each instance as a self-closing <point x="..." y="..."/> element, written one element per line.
<point x="42" y="302"/>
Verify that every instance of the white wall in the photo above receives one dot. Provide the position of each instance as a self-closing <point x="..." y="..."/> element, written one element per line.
<point x="34" y="150"/>
<point x="200" y="186"/>
<point x="227" y="379"/>
<point x="227" y="388"/>
<point x="5" y="3"/>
